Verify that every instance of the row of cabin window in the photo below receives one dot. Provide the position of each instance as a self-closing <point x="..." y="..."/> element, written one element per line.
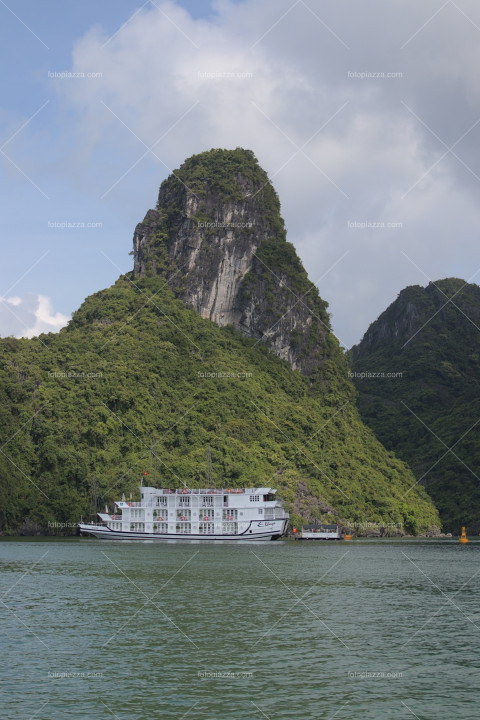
<point x="206" y="528"/>
<point x="141" y="526"/>
<point x="208" y="501"/>
<point x="139" y="513"/>
<point x="136" y="513"/>
<point x="233" y="514"/>
<point x="185" y="527"/>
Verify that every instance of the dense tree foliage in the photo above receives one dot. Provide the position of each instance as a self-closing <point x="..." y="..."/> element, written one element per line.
<point x="81" y="410"/>
<point x="429" y="414"/>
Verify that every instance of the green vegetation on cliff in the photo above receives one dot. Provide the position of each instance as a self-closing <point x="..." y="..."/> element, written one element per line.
<point x="139" y="368"/>
<point x="135" y="365"/>
<point x="221" y="170"/>
<point x="430" y="413"/>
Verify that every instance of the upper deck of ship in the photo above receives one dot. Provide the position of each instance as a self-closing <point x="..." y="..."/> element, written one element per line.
<point x="239" y="497"/>
<point x="207" y="491"/>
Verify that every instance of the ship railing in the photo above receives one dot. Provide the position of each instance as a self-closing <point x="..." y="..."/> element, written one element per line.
<point x="208" y="491"/>
<point x="198" y="491"/>
<point x="148" y="502"/>
<point x="151" y="501"/>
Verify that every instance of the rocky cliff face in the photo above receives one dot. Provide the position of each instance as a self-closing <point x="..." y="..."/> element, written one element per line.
<point x="400" y="325"/>
<point x="397" y="328"/>
<point x="217" y="237"/>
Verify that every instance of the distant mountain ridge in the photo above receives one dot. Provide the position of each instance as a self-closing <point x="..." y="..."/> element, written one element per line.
<point x="430" y="413"/>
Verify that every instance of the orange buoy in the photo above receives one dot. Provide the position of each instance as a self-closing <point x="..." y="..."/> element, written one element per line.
<point x="463" y="537"/>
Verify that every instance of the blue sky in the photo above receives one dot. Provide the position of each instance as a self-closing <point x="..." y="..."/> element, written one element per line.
<point x="37" y="257"/>
<point x="366" y="116"/>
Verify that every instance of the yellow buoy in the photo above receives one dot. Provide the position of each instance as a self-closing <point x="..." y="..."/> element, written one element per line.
<point x="463" y="537"/>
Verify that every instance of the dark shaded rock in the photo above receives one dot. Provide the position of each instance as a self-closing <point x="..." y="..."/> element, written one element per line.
<point x="417" y="372"/>
<point x="29" y="527"/>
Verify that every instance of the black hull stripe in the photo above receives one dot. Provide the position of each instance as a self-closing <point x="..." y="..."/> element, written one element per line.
<point x="246" y="535"/>
<point x="114" y="535"/>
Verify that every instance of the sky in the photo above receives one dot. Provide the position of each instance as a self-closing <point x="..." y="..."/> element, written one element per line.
<point x="366" y="116"/>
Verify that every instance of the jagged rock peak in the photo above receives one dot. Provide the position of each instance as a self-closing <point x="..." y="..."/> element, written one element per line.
<point x="219" y="240"/>
<point x="434" y="306"/>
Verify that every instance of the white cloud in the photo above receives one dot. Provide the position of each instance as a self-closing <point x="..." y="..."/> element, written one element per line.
<point x="371" y="159"/>
<point x="29" y="316"/>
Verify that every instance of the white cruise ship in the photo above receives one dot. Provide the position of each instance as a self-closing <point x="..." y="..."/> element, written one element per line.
<point x="193" y="514"/>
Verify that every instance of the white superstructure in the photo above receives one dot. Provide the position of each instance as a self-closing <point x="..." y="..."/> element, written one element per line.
<point x="193" y="514"/>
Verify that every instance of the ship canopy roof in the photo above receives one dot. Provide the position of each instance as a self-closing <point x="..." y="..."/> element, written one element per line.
<point x="197" y="491"/>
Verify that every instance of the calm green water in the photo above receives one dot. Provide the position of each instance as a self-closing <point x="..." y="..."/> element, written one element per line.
<point x="374" y="629"/>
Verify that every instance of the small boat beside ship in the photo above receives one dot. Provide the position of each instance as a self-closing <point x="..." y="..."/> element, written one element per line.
<point x="246" y="514"/>
<point x="321" y="531"/>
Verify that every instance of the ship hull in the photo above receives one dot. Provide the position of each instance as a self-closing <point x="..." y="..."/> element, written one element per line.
<point x="253" y="533"/>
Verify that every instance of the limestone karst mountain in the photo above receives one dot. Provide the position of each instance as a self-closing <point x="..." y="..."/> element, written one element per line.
<point x="218" y="231"/>
<point x="216" y="339"/>
<point x="429" y="414"/>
